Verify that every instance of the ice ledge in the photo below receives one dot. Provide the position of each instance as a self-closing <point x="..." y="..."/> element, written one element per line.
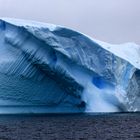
<point x="123" y="51"/>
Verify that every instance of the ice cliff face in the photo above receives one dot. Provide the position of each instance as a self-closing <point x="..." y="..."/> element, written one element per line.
<point x="48" y="68"/>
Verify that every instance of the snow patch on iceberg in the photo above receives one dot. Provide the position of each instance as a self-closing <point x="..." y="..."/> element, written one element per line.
<point x="49" y="68"/>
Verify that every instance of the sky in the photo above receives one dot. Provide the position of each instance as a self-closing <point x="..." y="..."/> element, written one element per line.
<point x="113" y="21"/>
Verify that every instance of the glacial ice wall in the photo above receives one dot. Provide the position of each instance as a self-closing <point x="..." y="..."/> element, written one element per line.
<point x="49" y="68"/>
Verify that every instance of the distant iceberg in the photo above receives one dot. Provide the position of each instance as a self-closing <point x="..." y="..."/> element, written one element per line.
<point x="46" y="68"/>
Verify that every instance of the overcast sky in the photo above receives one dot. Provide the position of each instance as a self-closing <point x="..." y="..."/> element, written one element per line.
<point x="114" y="21"/>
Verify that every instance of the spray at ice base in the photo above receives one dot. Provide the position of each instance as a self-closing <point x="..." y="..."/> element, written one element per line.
<point x="47" y="68"/>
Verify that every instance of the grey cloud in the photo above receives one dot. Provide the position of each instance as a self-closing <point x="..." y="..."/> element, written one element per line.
<point x="114" y="21"/>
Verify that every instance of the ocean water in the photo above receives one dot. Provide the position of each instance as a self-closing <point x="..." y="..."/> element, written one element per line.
<point x="100" y="126"/>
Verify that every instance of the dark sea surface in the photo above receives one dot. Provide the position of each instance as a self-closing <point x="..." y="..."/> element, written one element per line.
<point x="105" y="126"/>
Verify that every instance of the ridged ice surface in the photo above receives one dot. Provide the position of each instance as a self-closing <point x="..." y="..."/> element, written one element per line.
<point x="49" y="68"/>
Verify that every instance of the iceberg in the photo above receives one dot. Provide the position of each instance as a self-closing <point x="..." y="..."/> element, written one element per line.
<point x="46" y="68"/>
